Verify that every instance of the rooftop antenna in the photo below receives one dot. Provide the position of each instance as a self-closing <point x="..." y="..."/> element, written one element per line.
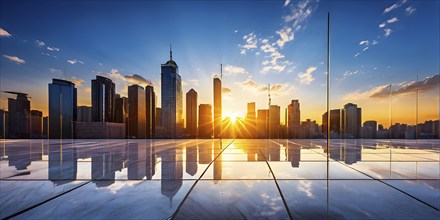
<point x="221" y="71"/>
<point x="171" y="53"/>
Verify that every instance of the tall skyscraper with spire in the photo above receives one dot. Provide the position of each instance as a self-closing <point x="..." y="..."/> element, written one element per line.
<point x="217" y="107"/>
<point x="171" y="99"/>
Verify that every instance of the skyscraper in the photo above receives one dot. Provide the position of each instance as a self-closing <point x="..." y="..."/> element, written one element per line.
<point x="191" y="113"/>
<point x="262" y="123"/>
<point x="251" y="125"/>
<point x="351" y="121"/>
<point x="151" y="111"/>
<point x="372" y="125"/>
<point x="171" y="99"/>
<point x="136" y="112"/>
<point x="217" y="107"/>
<point x="36" y="124"/>
<point x="205" y="121"/>
<point x="19" y="110"/>
<point x="121" y="109"/>
<point x="62" y="109"/>
<point x="335" y="123"/>
<point x="274" y="121"/>
<point x="293" y="119"/>
<point x="103" y="99"/>
<point x="84" y="114"/>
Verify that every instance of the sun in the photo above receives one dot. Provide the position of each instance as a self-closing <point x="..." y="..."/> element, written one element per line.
<point x="232" y="117"/>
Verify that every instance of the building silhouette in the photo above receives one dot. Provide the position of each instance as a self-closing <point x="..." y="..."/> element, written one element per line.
<point x="351" y="121"/>
<point x="293" y="119"/>
<point x="274" y="121"/>
<point x="3" y="123"/>
<point x="335" y="123"/>
<point x="217" y="107"/>
<point x="103" y="99"/>
<point x="191" y="113"/>
<point x="369" y="129"/>
<point x="150" y="111"/>
<point x="251" y="122"/>
<point x="136" y="112"/>
<point x="262" y="125"/>
<point x="62" y="109"/>
<point x="19" y="110"/>
<point x="84" y="114"/>
<point x="171" y="99"/>
<point x="36" y="124"/>
<point x="121" y="109"/>
<point x="309" y="129"/>
<point x="205" y="121"/>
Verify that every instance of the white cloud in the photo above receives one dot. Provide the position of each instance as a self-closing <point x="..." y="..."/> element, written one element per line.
<point x="53" y="49"/>
<point x="123" y="81"/>
<point x="195" y="82"/>
<point x="286" y="35"/>
<point x="39" y="43"/>
<point x="250" y="43"/>
<point x="366" y="48"/>
<point x="410" y="10"/>
<point x="74" y="61"/>
<point x="357" y="54"/>
<point x="230" y="69"/>
<point x="382" y="25"/>
<point x="300" y="13"/>
<point x="57" y="71"/>
<point x="236" y="31"/>
<point x="15" y="59"/>
<point x="286" y="3"/>
<point x="394" y="6"/>
<point x="374" y="42"/>
<point x="4" y="33"/>
<point x="278" y="89"/>
<point x="364" y="42"/>
<point x="392" y="20"/>
<point x="78" y="82"/>
<point x="401" y="88"/>
<point x="307" y="77"/>
<point x="387" y="32"/>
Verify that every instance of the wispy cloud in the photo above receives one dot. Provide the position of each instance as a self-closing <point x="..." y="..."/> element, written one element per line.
<point x="226" y="90"/>
<point x="231" y="69"/>
<point x="364" y="42"/>
<point x="286" y="35"/>
<point x="392" y="20"/>
<point x="410" y="10"/>
<point x="52" y="48"/>
<point x="383" y="91"/>
<point x="387" y="32"/>
<point x="366" y="48"/>
<point x="39" y="43"/>
<point x="306" y="78"/>
<point x="382" y="25"/>
<point x="250" y="43"/>
<point x="286" y="3"/>
<point x="278" y="89"/>
<point x="125" y="80"/>
<point x="357" y="54"/>
<point x="394" y="6"/>
<point x="78" y="82"/>
<point x="74" y="61"/>
<point x="15" y="59"/>
<point x="4" y="33"/>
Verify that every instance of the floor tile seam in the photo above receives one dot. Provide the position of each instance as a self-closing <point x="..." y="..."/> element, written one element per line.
<point x="174" y="215"/>
<point x="45" y="201"/>
<point x="278" y="186"/>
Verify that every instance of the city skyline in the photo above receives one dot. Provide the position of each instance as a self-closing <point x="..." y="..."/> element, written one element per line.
<point x="245" y="50"/>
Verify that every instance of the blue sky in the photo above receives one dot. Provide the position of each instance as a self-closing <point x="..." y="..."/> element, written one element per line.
<point x="277" y="42"/>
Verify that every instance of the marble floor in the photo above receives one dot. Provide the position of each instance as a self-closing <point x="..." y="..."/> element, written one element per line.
<point x="213" y="179"/>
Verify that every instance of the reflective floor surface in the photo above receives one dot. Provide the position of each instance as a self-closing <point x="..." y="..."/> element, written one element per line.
<point x="213" y="179"/>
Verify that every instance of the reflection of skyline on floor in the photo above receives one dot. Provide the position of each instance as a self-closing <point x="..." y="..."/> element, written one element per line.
<point x="173" y="165"/>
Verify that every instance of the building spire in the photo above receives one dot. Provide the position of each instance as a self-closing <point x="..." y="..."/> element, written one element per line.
<point x="171" y="53"/>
